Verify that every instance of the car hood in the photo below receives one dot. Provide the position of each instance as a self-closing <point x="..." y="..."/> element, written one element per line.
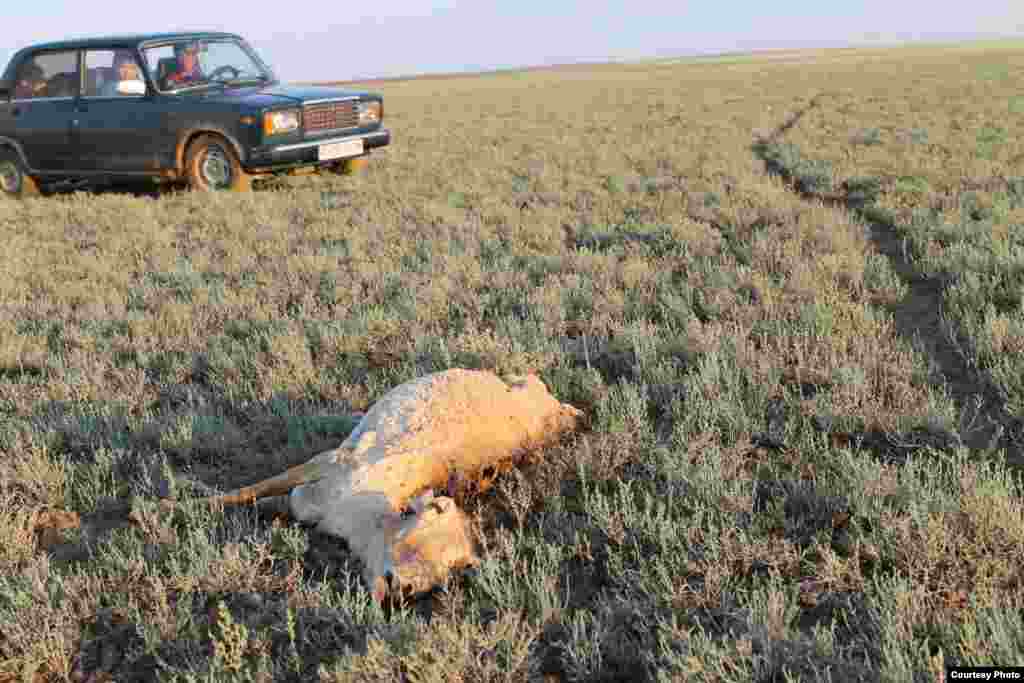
<point x="276" y="94"/>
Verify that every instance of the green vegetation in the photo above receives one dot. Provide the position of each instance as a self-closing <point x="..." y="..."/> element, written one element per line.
<point x="777" y="480"/>
<point x="959" y="204"/>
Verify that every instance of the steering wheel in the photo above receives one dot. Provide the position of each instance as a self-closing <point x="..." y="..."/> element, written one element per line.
<point x="224" y="69"/>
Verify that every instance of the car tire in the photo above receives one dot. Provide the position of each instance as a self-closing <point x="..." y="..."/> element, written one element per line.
<point x="211" y="164"/>
<point x="15" y="182"/>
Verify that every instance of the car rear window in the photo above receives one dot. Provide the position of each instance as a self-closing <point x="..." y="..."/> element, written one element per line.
<point x="48" y="74"/>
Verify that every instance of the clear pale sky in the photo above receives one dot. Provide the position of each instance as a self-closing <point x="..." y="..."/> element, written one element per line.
<point x="325" y="40"/>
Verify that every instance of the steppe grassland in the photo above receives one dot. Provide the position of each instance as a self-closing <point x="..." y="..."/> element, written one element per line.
<point x="607" y="227"/>
<point x="940" y="149"/>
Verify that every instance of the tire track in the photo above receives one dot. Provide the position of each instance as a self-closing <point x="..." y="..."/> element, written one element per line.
<point x="985" y="423"/>
<point x="791" y="120"/>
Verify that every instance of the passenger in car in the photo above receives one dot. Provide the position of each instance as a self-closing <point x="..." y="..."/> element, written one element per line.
<point x="62" y="85"/>
<point x="126" y="69"/>
<point x="31" y="82"/>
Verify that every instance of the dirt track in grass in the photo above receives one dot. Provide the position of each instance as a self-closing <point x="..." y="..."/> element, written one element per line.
<point x="985" y="422"/>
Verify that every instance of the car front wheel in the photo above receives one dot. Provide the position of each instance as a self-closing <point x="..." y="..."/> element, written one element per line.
<point x="14" y="180"/>
<point x="211" y="164"/>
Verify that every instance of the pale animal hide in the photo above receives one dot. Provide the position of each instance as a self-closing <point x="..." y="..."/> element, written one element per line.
<point x="414" y="439"/>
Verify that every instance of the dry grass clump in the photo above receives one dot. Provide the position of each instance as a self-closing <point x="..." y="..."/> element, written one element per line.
<point x="757" y="493"/>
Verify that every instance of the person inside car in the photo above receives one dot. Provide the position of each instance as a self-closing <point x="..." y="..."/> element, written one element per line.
<point x="31" y="82"/>
<point x="187" y="72"/>
<point x="126" y="70"/>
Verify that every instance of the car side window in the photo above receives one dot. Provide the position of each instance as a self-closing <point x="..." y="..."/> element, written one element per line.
<point x="113" y="73"/>
<point x="161" y="63"/>
<point x="49" y="74"/>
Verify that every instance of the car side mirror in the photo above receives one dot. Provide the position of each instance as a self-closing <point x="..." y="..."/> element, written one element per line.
<point x="131" y="88"/>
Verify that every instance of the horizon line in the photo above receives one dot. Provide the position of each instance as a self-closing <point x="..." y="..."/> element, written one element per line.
<point x="611" y="61"/>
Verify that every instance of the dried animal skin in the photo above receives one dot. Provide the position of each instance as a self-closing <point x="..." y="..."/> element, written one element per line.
<point x="418" y="435"/>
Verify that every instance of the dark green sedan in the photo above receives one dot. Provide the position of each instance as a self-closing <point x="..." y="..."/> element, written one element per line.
<point x="195" y="108"/>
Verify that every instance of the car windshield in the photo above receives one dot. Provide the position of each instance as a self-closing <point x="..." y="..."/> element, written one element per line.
<point x="195" y="63"/>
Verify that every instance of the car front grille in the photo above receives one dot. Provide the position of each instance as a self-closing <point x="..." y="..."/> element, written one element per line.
<point x="330" y="116"/>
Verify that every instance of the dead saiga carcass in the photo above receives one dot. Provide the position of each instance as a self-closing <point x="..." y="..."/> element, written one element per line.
<point x="414" y="439"/>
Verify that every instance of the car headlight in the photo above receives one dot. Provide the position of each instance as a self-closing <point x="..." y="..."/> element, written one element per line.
<point x="370" y="112"/>
<point x="277" y="122"/>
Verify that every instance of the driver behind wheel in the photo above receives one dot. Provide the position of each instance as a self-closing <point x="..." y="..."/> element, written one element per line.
<point x="188" y="70"/>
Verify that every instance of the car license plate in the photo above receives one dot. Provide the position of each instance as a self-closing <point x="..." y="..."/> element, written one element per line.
<point x="340" y="150"/>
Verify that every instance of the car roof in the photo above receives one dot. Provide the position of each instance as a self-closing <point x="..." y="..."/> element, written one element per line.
<point x="128" y="40"/>
<point x="123" y="41"/>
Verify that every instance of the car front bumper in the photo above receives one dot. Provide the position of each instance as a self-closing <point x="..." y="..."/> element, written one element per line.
<point x="273" y="157"/>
